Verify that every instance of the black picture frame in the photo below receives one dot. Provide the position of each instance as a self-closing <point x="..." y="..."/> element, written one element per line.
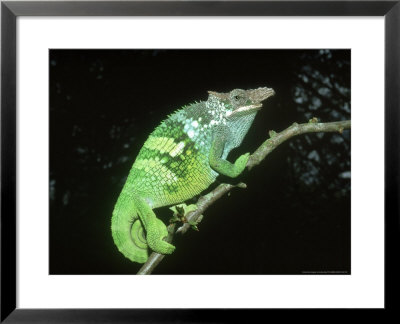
<point x="10" y="10"/>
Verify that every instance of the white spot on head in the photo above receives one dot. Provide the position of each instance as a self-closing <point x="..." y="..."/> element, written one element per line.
<point x="191" y="133"/>
<point x="195" y="124"/>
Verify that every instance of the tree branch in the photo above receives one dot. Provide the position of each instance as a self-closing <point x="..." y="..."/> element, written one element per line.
<point x="260" y="154"/>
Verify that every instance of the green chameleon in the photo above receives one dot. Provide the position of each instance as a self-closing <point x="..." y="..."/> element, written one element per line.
<point x="180" y="159"/>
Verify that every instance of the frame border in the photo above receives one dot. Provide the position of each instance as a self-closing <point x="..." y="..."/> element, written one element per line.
<point x="10" y="10"/>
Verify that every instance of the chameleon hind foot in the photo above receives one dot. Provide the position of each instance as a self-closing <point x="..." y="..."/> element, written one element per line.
<point x="157" y="231"/>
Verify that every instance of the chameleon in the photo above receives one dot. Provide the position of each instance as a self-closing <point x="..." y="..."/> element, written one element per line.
<point x="181" y="158"/>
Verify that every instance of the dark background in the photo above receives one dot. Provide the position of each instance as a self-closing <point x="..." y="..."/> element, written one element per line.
<point x="293" y="218"/>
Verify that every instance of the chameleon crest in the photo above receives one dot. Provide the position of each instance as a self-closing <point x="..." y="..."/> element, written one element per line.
<point x="180" y="159"/>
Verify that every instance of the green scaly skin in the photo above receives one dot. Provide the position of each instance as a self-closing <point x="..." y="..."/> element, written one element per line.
<point x="180" y="159"/>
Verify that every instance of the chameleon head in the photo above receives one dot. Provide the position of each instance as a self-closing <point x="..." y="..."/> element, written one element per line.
<point x="241" y="102"/>
<point x="237" y="110"/>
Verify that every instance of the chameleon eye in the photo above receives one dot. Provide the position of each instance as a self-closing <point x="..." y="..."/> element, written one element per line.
<point x="236" y="97"/>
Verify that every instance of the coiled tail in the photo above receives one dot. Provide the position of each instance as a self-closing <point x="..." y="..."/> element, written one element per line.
<point x="127" y="230"/>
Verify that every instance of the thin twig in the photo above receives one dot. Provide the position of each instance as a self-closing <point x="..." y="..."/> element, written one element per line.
<point x="296" y="129"/>
<point x="264" y="149"/>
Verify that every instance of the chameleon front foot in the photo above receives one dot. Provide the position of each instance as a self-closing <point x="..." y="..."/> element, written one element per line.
<point x="240" y="164"/>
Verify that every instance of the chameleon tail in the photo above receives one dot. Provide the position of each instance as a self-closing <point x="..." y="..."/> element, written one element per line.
<point x="128" y="234"/>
